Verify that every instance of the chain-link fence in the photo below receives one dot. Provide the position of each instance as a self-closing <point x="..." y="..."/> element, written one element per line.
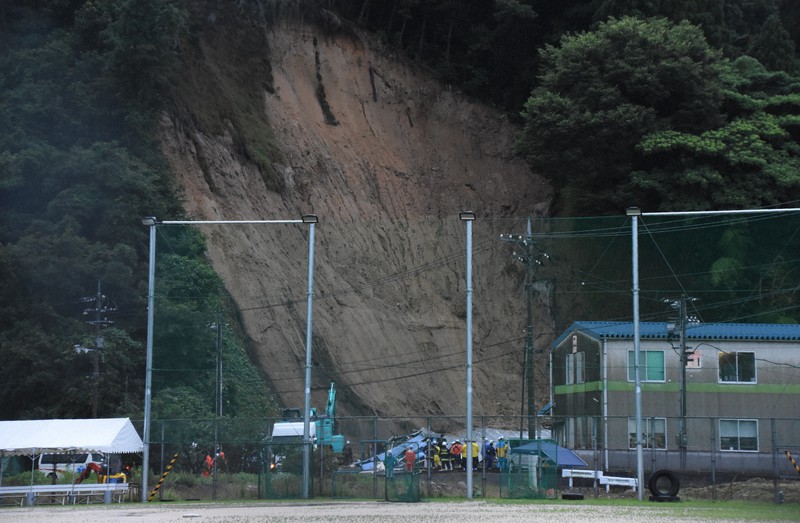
<point x="388" y="328"/>
<point x="713" y="464"/>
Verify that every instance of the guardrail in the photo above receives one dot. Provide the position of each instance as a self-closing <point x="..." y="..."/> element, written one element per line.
<point x="608" y="481"/>
<point x="66" y="494"/>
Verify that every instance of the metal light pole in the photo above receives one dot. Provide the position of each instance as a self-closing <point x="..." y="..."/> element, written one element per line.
<point x="469" y="217"/>
<point x="634" y="213"/>
<point x="312" y="221"/>
<point x="151" y="222"/>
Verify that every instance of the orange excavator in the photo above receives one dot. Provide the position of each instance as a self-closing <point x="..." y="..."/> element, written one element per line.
<point x="91" y="467"/>
<point x="101" y="476"/>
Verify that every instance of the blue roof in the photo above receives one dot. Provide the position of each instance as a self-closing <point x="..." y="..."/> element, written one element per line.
<point x="698" y="331"/>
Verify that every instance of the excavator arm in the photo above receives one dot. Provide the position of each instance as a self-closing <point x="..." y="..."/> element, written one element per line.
<point x="330" y="408"/>
<point x="91" y="467"/>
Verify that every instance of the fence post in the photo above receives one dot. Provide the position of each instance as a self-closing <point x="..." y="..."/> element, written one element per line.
<point x="428" y="455"/>
<point x="375" y="457"/>
<point x="713" y="432"/>
<point x="774" y="439"/>
<point x="480" y="452"/>
<point x="160" y="493"/>
<point x="595" y="457"/>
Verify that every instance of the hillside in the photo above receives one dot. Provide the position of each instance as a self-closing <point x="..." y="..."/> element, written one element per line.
<point x="387" y="181"/>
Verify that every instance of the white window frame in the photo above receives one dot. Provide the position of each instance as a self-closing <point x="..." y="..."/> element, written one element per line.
<point x="738" y="435"/>
<point x="569" y="366"/>
<point x="643" y="366"/>
<point x="575" y="366"/>
<point x="737" y="381"/>
<point x="647" y="439"/>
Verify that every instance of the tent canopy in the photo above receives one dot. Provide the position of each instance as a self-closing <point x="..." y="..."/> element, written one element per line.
<point x="29" y="437"/>
<point x="561" y="456"/>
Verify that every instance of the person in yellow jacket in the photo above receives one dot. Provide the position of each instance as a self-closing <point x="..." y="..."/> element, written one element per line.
<point x="434" y="452"/>
<point x="476" y="455"/>
<point x="502" y="454"/>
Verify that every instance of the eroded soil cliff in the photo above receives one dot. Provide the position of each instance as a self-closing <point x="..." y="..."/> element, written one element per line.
<point x="386" y="157"/>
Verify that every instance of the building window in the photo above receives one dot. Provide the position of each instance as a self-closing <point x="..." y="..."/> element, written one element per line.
<point x="651" y="365"/>
<point x="738" y="434"/>
<point x="575" y="368"/>
<point x="654" y="433"/>
<point x="737" y="367"/>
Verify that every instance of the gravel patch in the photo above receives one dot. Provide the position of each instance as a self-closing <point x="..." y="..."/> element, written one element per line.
<point x="352" y="512"/>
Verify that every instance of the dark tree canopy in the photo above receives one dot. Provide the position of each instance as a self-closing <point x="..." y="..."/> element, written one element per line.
<point x="601" y="92"/>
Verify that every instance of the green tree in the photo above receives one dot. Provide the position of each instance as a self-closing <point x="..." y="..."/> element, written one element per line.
<point x="773" y="46"/>
<point x="751" y="161"/>
<point x="731" y="26"/>
<point x="602" y="91"/>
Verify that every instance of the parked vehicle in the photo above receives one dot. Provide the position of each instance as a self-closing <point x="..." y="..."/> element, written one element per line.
<point x="58" y="464"/>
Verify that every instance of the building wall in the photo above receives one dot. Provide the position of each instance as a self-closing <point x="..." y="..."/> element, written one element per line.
<point x="777" y="380"/>
<point x="774" y="394"/>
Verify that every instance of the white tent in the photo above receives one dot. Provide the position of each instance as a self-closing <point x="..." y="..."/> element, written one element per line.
<point x="31" y="437"/>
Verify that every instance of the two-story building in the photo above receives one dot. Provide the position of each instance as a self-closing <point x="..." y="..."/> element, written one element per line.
<point x="740" y="387"/>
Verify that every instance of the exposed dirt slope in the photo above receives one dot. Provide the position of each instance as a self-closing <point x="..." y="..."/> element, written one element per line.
<point x="387" y="182"/>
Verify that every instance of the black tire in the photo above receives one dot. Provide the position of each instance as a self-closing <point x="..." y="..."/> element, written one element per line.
<point x="653" y="484"/>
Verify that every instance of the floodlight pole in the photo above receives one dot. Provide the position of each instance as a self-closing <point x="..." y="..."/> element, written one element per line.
<point x="468" y="217"/>
<point x="311" y="220"/>
<point x="634" y="213"/>
<point x="151" y="222"/>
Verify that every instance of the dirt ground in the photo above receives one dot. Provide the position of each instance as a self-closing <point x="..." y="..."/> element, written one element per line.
<point x="443" y="501"/>
<point x="351" y="512"/>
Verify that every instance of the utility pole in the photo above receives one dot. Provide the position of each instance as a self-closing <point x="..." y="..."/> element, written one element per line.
<point x="101" y="308"/>
<point x="531" y="259"/>
<point x="677" y="328"/>
<point x="218" y="398"/>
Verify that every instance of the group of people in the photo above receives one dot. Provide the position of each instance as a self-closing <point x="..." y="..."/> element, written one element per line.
<point x="454" y="456"/>
<point x="446" y="456"/>
<point x="208" y="463"/>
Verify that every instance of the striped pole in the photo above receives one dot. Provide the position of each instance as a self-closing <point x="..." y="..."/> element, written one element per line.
<point x="163" y="477"/>
<point x="794" y="463"/>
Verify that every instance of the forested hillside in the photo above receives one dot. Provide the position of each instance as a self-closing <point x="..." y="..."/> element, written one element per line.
<point x="682" y="104"/>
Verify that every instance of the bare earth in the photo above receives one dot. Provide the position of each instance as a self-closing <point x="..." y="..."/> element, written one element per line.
<point x="387" y="183"/>
<point x="457" y="512"/>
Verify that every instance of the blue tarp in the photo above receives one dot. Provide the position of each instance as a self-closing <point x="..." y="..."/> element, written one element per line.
<point x="561" y="456"/>
<point x="418" y="443"/>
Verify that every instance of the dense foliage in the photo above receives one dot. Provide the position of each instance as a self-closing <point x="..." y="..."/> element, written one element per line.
<point x="78" y="170"/>
<point x="666" y="104"/>
<point x="645" y="112"/>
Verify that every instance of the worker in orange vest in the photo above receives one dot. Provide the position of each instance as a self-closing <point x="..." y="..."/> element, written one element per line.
<point x="410" y="456"/>
<point x="455" y="451"/>
<point x="209" y="465"/>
